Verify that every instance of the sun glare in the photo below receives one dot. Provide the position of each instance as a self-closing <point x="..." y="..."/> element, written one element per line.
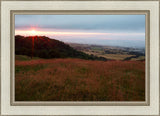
<point x="33" y="32"/>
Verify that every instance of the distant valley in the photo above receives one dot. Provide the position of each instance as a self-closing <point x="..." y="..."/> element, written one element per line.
<point x="111" y="52"/>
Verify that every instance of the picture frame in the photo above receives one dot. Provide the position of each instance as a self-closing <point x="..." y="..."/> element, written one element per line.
<point x="151" y="106"/>
<point x="15" y="103"/>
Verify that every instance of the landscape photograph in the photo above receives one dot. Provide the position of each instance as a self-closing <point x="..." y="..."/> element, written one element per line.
<point x="79" y="58"/>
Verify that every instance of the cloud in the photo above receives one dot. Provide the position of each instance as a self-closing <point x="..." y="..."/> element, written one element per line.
<point x="83" y="22"/>
<point x="117" y="30"/>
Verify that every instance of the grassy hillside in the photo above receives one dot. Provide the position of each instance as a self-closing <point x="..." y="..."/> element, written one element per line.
<point x="79" y="80"/>
<point x="44" y="47"/>
<point x="24" y="58"/>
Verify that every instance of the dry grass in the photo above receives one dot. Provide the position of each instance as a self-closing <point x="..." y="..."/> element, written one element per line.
<point x="79" y="80"/>
<point x="139" y="58"/>
<point x="116" y="56"/>
<point x="110" y="56"/>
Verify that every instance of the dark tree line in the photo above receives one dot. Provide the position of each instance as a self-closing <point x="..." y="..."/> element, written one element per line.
<point x="44" y="47"/>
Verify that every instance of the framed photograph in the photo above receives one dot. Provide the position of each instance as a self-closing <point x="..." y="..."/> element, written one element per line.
<point x="80" y="57"/>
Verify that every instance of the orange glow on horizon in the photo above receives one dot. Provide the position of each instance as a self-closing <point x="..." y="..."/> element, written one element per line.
<point x="52" y="33"/>
<point x="33" y="32"/>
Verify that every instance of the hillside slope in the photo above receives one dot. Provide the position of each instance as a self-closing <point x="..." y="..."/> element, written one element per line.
<point x="44" y="47"/>
<point x="73" y="79"/>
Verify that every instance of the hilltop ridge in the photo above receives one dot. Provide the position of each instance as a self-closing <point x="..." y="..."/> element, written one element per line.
<point x="44" y="47"/>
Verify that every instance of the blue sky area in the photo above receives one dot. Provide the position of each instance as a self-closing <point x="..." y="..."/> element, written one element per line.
<point x="113" y="30"/>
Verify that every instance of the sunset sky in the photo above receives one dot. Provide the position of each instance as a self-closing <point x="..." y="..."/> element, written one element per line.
<point x="115" y="30"/>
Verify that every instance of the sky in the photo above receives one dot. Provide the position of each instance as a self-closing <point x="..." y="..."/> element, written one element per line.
<point x="112" y="30"/>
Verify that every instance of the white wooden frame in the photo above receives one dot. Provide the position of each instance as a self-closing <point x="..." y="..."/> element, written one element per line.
<point x="152" y="109"/>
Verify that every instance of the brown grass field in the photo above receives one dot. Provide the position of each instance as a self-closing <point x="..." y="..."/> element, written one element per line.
<point x="111" y="56"/>
<point x="79" y="80"/>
